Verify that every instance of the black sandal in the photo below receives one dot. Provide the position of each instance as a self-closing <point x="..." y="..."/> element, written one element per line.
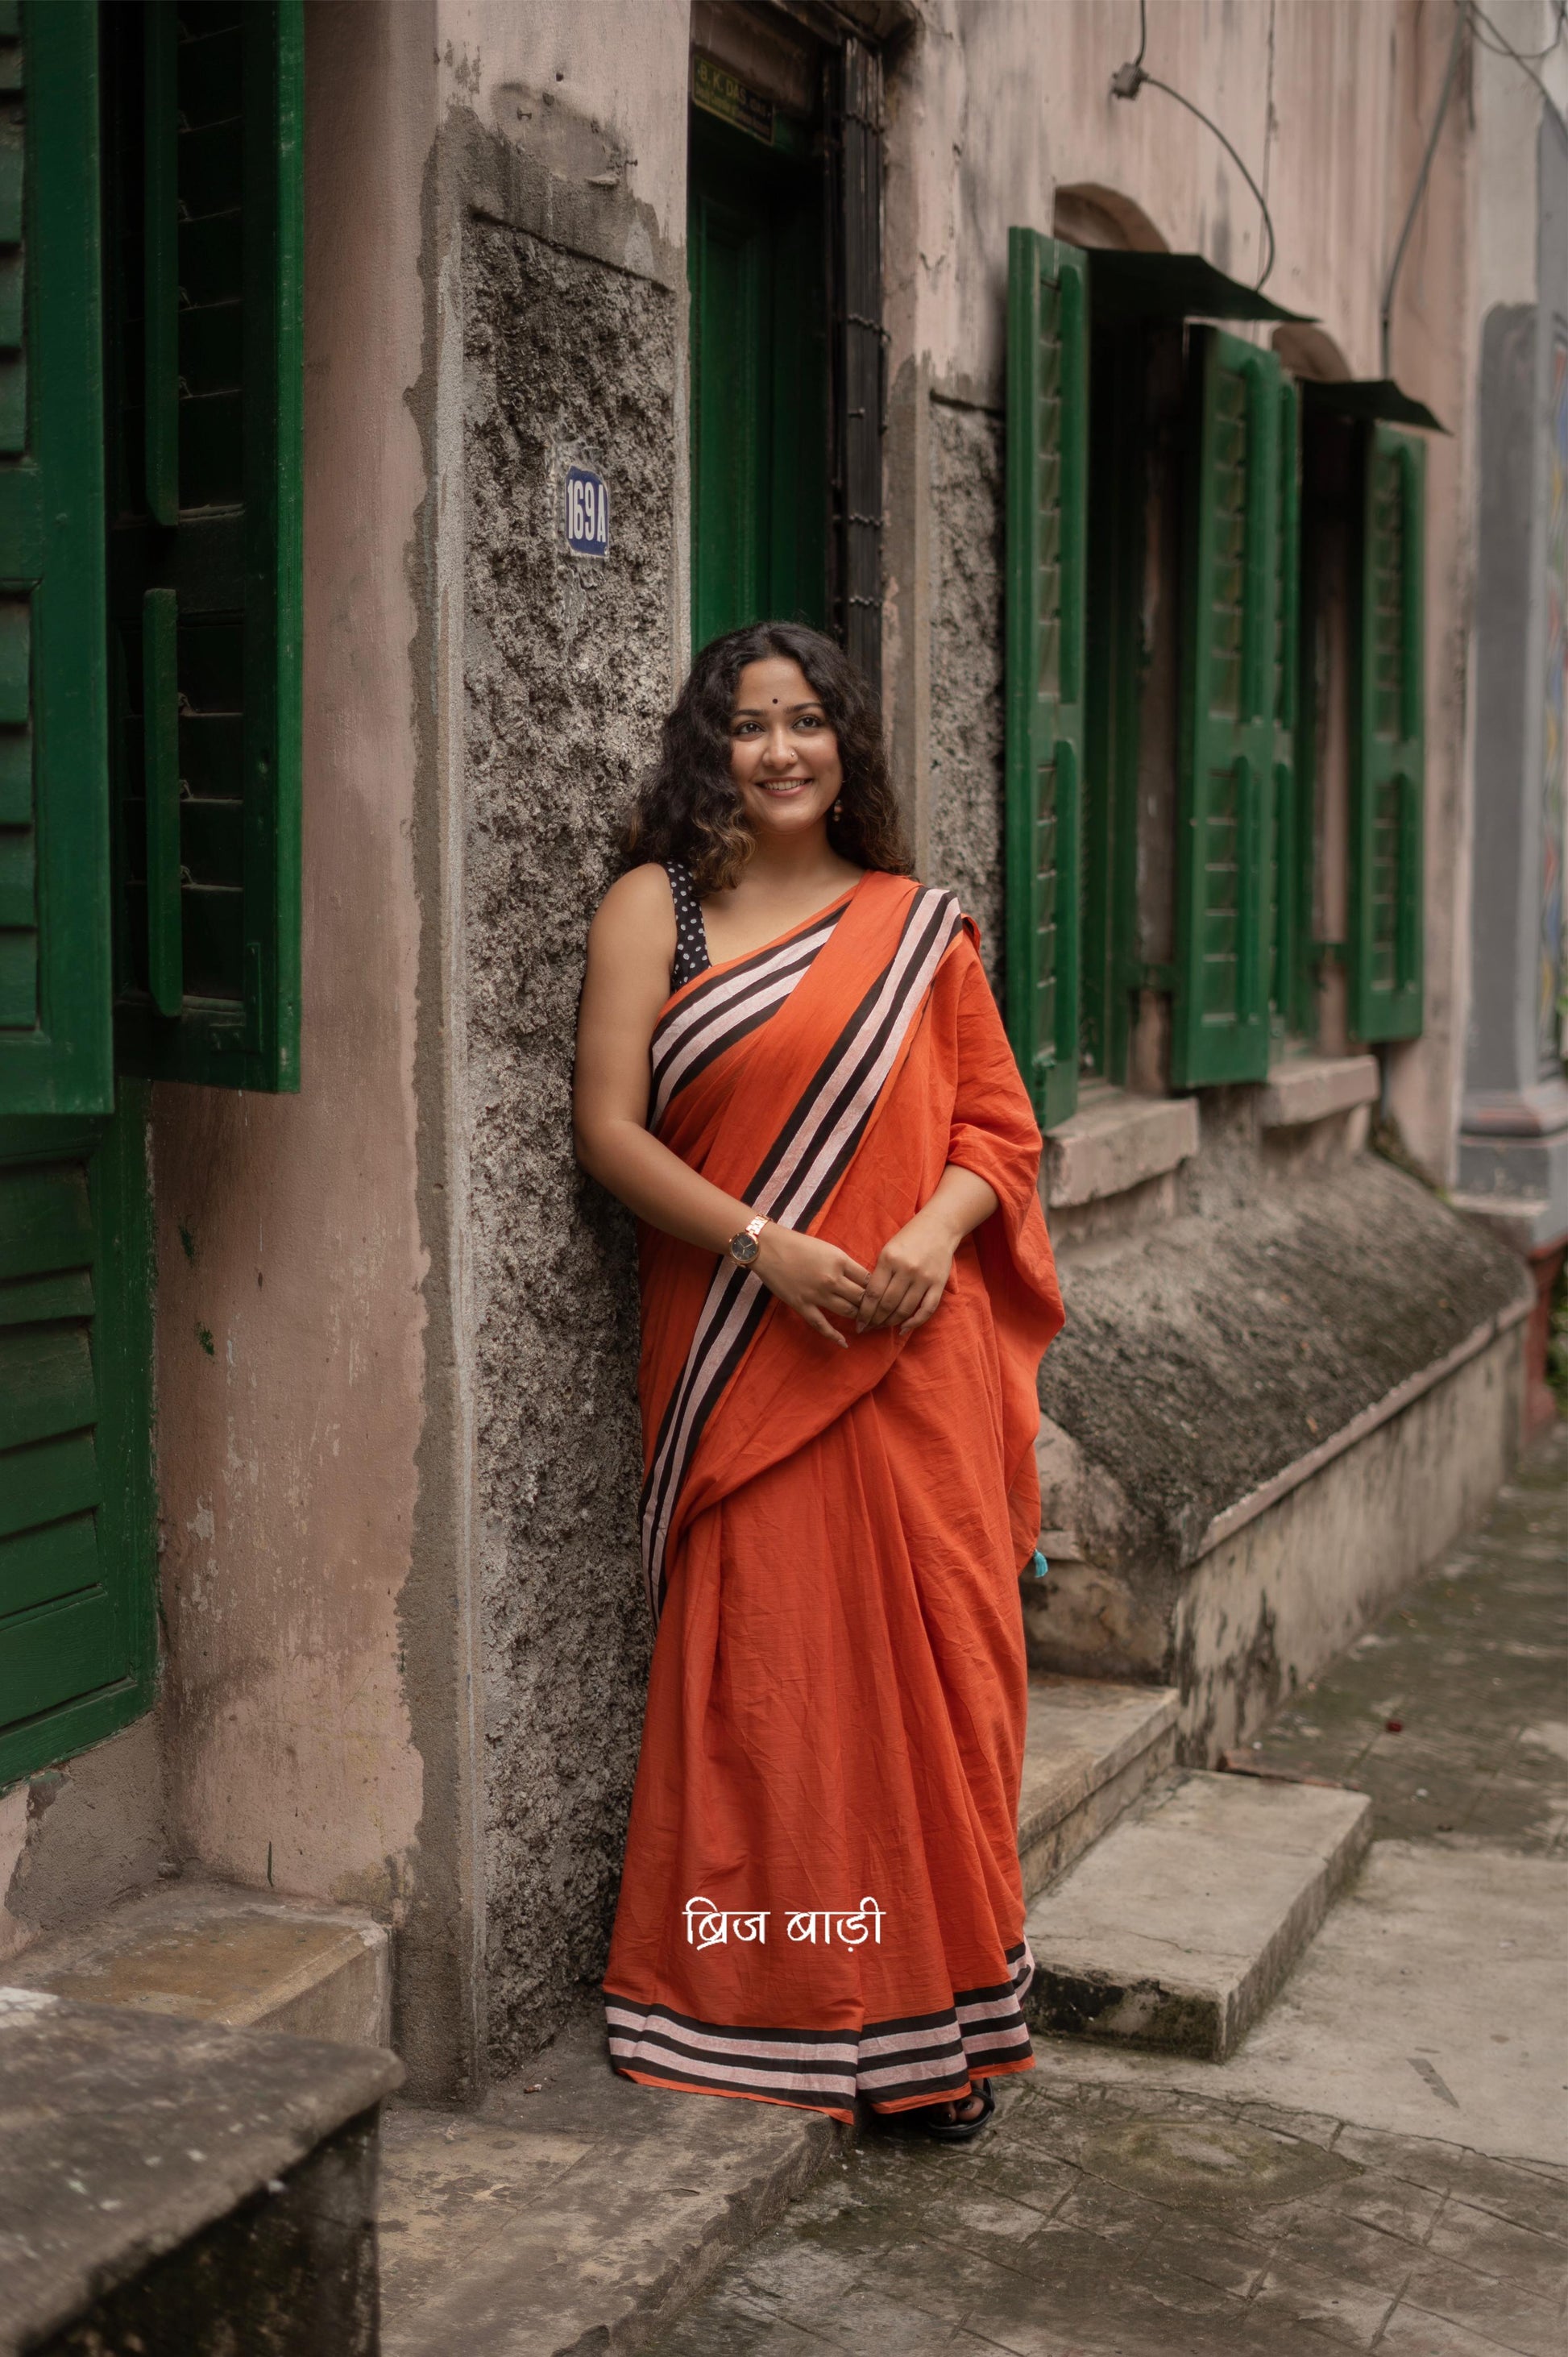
<point x="925" y="2119"/>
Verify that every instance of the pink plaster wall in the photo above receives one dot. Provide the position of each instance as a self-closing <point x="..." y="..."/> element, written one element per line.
<point x="286" y="1451"/>
<point x="996" y="104"/>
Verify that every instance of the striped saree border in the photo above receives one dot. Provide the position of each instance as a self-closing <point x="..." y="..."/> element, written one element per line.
<point x="797" y="1176"/>
<point x="920" y="2058"/>
<point x="722" y="1006"/>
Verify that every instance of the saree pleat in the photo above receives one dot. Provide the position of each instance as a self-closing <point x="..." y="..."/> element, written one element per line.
<point x="834" y="1730"/>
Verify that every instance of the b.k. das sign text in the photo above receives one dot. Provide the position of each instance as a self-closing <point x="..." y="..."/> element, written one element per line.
<point x="587" y="512"/>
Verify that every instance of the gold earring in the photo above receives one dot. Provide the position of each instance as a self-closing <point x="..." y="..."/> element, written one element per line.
<point x="838" y="809"/>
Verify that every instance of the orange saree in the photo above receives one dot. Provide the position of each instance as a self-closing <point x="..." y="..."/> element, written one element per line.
<point x="820" y="1896"/>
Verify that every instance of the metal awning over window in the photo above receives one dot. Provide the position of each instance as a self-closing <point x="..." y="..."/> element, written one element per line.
<point x="1127" y="286"/>
<point x="1373" y="396"/>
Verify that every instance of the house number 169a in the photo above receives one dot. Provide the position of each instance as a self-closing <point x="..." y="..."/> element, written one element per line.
<point x="587" y="512"/>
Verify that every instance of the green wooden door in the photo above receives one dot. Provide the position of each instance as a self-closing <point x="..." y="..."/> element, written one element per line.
<point x="758" y="389"/>
<point x="1229" y="701"/>
<point x="1387" y="740"/>
<point x="1047" y="426"/>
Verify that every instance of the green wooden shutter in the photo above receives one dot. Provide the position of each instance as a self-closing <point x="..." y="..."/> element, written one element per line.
<point x="78" y="1632"/>
<point x="1387" y="762"/>
<point x="1220" y="1014"/>
<point x="55" y="1034"/>
<point x="1048" y="476"/>
<point x="1285" y="864"/>
<point x="204" y="552"/>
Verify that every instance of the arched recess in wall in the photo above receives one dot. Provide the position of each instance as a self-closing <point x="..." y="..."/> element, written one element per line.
<point x="1312" y="353"/>
<point x="1089" y="214"/>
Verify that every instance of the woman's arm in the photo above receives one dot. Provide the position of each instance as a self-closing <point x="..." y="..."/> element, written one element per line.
<point x="630" y="944"/>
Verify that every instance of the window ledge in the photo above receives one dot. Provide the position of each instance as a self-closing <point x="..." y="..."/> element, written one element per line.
<point x="1310" y="1088"/>
<point x="1115" y="1141"/>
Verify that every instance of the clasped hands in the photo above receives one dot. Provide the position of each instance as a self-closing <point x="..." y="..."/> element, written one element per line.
<point x="818" y="1281"/>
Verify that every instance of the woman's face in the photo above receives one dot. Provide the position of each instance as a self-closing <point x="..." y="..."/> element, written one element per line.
<point x="783" y="754"/>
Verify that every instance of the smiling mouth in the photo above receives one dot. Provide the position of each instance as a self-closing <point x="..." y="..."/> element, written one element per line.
<point x="783" y="785"/>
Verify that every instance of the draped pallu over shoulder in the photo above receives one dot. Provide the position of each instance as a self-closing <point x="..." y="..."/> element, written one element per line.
<point x="833" y="1740"/>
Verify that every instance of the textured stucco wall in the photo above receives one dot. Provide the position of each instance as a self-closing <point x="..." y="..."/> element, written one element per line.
<point x="1203" y="1360"/>
<point x="567" y="675"/>
<point x="76" y="1838"/>
<point x="968" y="721"/>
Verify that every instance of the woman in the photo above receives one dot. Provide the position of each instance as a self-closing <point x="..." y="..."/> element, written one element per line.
<point x="790" y="1067"/>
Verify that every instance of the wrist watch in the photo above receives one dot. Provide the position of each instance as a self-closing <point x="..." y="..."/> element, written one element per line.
<point x="741" y="1248"/>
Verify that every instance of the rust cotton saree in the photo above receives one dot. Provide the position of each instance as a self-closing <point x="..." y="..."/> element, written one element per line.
<point x="821" y="1897"/>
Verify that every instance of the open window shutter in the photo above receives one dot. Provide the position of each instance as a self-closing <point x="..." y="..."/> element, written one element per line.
<point x="1047" y="412"/>
<point x="204" y="581"/>
<point x="1220" y="1015"/>
<point x="1285" y="877"/>
<point x="55" y="1034"/>
<point x="78" y="1636"/>
<point x="1388" y="766"/>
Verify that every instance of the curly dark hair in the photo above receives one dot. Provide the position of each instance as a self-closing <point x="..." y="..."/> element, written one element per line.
<point x="689" y="808"/>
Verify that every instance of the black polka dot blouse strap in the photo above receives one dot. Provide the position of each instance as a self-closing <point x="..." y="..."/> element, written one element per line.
<point x="691" y="935"/>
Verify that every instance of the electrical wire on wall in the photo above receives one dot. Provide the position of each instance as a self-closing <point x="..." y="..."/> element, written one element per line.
<point x="1129" y="79"/>
<point x="1386" y="308"/>
<point x="1470" y="13"/>
<point x="1501" y="47"/>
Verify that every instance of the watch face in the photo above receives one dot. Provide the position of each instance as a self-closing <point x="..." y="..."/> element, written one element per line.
<point x="743" y="1248"/>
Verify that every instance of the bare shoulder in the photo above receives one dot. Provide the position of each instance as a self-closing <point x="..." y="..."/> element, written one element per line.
<point x="636" y="906"/>
<point x="634" y="928"/>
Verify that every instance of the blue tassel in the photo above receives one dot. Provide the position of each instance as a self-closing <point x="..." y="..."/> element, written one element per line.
<point x="1039" y="1566"/>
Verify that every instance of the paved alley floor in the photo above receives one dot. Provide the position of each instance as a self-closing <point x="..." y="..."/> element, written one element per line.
<point x="1384" y="2165"/>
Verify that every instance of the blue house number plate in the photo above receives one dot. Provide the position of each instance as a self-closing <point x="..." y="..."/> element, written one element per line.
<point x="587" y="512"/>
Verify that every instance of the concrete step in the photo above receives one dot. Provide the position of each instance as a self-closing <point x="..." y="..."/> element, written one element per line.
<point x="1091" y="1748"/>
<point x="575" y="2209"/>
<point x="579" y="2215"/>
<point x="171" y="2185"/>
<point x="209" y="1952"/>
<point x="1176" y="1930"/>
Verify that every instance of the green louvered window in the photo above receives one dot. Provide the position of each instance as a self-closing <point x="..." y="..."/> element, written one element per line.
<point x="55" y="1038"/>
<point x="204" y="436"/>
<point x="1388" y="764"/>
<point x="77" y="1630"/>
<point x="149" y="750"/>
<point x="1231" y="733"/>
<point x="1047" y="410"/>
<point x="1290" y="856"/>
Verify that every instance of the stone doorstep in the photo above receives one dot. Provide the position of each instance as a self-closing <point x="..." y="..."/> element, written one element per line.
<point x="1091" y="1748"/>
<point x="1176" y="1930"/>
<point x="580" y="2216"/>
<point x="207" y="1952"/>
<point x="128" y="2136"/>
<point x="584" y="2215"/>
